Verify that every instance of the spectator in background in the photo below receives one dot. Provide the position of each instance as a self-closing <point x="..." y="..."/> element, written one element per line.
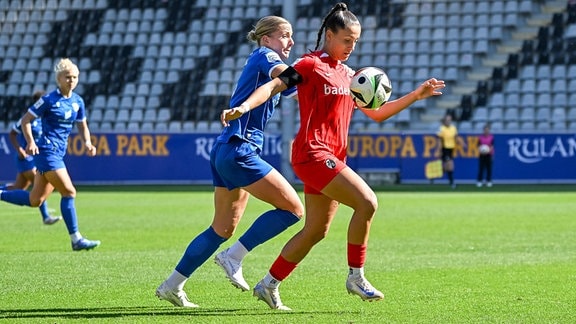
<point x="25" y="163"/>
<point x="59" y="111"/>
<point x="448" y="134"/>
<point x="485" y="157"/>
<point x="239" y="171"/>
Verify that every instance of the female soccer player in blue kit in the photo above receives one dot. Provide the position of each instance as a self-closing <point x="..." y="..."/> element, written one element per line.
<point x="239" y="171"/>
<point x="25" y="163"/>
<point x="59" y="110"/>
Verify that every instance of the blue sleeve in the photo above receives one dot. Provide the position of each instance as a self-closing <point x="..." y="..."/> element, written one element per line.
<point x="269" y="61"/>
<point x="39" y="107"/>
<point x="81" y="110"/>
<point x="289" y="92"/>
<point x="17" y="126"/>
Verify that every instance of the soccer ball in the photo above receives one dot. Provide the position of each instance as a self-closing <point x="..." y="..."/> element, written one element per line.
<point x="484" y="149"/>
<point x="370" y="88"/>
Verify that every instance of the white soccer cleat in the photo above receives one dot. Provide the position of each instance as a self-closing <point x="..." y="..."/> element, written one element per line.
<point x="178" y="298"/>
<point x="270" y="296"/>
<point x="233" y="270"/>
<point x="358" y="285"/>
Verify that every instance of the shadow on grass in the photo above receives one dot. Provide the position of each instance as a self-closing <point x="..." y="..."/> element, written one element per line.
<point x="114" y="312"/>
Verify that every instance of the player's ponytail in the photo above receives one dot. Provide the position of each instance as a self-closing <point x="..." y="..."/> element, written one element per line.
<point x="338" y="18"/>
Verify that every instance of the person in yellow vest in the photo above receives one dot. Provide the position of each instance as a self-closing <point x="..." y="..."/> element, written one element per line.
<point x="447" y="134"/>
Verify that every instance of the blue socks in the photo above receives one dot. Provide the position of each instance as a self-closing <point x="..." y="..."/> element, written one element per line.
<point x="68" y="211"/>
<point x="198" y="251"/>
<point x="44" y="210"/>
<point x="267" y="226"/>
<point x="16" y="197"/>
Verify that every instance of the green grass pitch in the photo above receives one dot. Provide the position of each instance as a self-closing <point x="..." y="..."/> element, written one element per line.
<point x="473" y="255"/>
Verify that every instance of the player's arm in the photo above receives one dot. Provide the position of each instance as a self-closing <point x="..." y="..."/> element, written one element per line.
<point x="13" y="136"/>
<point x="286" y="79"/>
<point x="276" y="71"/>
<point x="429" y="88"/>
<point x="25" y="124"/>
<point x="84" y="133"/>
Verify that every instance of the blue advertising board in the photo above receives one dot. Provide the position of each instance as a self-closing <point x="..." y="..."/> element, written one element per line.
<point x="137" y="158"/>
<point x="518" y="158"/>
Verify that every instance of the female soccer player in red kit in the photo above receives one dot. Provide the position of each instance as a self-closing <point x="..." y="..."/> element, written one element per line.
<point x="319" y="151"/>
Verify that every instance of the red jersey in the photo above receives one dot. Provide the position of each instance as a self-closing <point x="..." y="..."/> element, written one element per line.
<point x="326" y="108"/>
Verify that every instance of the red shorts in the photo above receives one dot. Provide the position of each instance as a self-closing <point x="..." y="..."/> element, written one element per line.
<point x="316" y="174"/>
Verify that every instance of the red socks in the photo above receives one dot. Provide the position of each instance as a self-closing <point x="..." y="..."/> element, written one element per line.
<point x="356" y="255"/>
<point x="281" y="268"/>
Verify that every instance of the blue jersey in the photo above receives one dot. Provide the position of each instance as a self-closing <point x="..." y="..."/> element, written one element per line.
<point x="36" y="126"/>
<point x="58" y="115"/>
<point x="256" y="72"/>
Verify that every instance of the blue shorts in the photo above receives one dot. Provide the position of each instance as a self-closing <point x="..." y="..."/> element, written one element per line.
<point x="48" y="161"/>
<point x="237" y="164"/>
<point x="23" y="165"/>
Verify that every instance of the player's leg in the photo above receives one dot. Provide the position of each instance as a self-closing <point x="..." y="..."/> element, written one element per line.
<point x="449" y="167"/>
<point x="489" y="171"/>
<point x="27" y="178"/>
<point x="60" y="180"/>
<point x="22" y="197"/>
<point x="229" y="207"/>
<point x="350" y="189"/>
<point x="480" y="171"/>
<point x="238" y="165"/>
<point x="320" y="211"/>
<point x="23" y="180"/>
<point x="275" y="190"/>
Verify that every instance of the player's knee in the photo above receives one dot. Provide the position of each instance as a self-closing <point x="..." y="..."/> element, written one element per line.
<point x="224" y="231"/>
<point x="36" y="201"/>
<point x="298" y="210"/>
<point x="368" y="206"/>
<point x="315" y="236"/>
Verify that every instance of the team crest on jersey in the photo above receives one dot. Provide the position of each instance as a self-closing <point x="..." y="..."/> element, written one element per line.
<point x="68" y="114"/>
<point x="39" y="103"/>
<point x="75" y="106"/>
<point x="330" y="164"/>
<point x="272" y="57"/>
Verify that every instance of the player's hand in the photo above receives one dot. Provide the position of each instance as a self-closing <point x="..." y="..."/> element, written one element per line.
<point x="430" y="87"/>
<point x="231" y="114"/>
<point x="90" y="149"/>
<point x="22" y="155"/>
<point x="32" y="149"/>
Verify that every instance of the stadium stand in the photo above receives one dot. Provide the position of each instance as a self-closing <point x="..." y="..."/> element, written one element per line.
<point x="160" y="65"/>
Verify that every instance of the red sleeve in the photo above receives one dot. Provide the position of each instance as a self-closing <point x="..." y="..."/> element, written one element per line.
<point x="304" y="66"/>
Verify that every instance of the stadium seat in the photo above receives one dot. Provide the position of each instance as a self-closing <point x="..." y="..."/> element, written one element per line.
<point x="511" y="125"/>
<point x="163" y="115"/>
<point x="495" y="113"/>
<point x="150" y="115"/>
<point x="527" y="114"/>
<point x="511" y="114"/>
<point x="147" y="127"/>
<point x="109" y="115"/>
<point x="161" y="127"/>
<point x="175" y="126"/>
<point x="528" y="126"/>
